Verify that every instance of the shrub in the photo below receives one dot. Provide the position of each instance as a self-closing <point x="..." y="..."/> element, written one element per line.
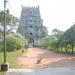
<point x="14" y="42"/>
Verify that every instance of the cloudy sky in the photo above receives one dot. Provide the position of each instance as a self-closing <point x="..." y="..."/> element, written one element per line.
<point x="55" y="13"/>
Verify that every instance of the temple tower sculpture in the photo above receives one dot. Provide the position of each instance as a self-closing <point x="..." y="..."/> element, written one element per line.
<point x="31" y="25"/>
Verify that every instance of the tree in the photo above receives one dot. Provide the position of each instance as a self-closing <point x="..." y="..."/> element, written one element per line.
<point x="68" y="38"/>
<point x="49" y="42"/>
<point x="45" y="31"/>
<point x="52" y="41"/>
<point x="10" y="20"/>
<point x="56" y="32"/>
<point x="46" y="42"/>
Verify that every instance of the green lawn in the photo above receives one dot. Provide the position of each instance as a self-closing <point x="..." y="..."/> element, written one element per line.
<point x="12" y="59"/>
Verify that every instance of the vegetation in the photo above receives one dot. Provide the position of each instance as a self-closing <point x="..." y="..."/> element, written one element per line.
<point x="12" y="58"/>
<point x="9" y="17"/>
<point x="11" y="22"/>
<point x="61" y="41"/>
<point x="68" y="39"/>
<point x="15" y="46"/>
<point x="45" y="31"/>
<point x="48" y="42"/>
<point x="13" y="42"/>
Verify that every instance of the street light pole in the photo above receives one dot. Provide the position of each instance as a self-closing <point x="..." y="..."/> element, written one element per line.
<point x="4" y="66"/>
<point x="4" y="32"/>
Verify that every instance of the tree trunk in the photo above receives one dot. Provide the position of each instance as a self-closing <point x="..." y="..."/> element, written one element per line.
<point x="66" y="48"/>
<point x="72" y="47"/>
<point x="61" y="49"/>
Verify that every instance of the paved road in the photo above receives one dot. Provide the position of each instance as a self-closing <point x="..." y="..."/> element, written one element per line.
<point x="48" y="71"/>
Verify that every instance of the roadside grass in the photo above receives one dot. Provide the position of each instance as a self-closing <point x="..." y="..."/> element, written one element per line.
<point x="1" y="61"/>
<point x="11" y="59"/>
<point x="1" y="73"/>
<point x="69" y="50"/>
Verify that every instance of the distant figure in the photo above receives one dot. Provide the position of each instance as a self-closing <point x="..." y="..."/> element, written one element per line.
<point x="39" y="60"/>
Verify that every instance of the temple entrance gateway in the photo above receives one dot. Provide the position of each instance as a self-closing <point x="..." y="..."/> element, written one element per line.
<point x="31" y="42"/>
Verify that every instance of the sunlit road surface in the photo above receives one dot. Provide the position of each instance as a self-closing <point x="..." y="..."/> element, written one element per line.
<point x="49" y="59"/>
<point x="46" y="71"/>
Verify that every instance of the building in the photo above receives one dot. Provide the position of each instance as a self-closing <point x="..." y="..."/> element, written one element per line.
<point x="31" y="25"/>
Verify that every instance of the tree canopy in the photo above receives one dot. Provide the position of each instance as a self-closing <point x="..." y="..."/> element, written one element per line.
<point x="9" y="18"/>
<point x="62" y="41"/>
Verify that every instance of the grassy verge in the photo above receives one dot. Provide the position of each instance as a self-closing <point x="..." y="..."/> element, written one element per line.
<point x="12" y="59"/>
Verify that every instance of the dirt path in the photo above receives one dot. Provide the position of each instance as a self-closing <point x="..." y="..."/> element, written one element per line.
<point x="40" y="58"/>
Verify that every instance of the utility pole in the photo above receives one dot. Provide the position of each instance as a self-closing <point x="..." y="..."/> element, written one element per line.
<point x="4" y="31"/>
<point x="4" y="66"/>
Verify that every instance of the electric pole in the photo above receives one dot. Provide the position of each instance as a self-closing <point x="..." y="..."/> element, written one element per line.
<point x="4" y="66"/>
<point x="4" y="31"/>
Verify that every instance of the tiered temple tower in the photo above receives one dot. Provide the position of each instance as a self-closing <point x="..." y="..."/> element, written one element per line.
<point x="31" y="25"/>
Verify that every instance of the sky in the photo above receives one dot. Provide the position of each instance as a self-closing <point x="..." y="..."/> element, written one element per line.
<point x="58" y="14"/>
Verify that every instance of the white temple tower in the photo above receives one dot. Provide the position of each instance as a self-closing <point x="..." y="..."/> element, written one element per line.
<point x="31" y="25"/>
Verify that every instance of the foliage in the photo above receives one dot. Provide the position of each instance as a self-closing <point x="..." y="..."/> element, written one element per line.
<point x="11" y="22"/>
<point x="45" y="42"/>
<point x="57" y="32"/>
<point x="9" y="17"/>
<point x="52" y="41"/>
<point x="45" y="31"/>
<point x="12" y="59"/>
<point x="49" y="42"/>
<point x="68" y="38"/>
<point x="59" y="41"/>
<point x="14" y="42"/>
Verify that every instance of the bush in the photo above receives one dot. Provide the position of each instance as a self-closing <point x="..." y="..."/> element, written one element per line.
<point x="46" y="42"/>
<point x="14" y="42"/>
